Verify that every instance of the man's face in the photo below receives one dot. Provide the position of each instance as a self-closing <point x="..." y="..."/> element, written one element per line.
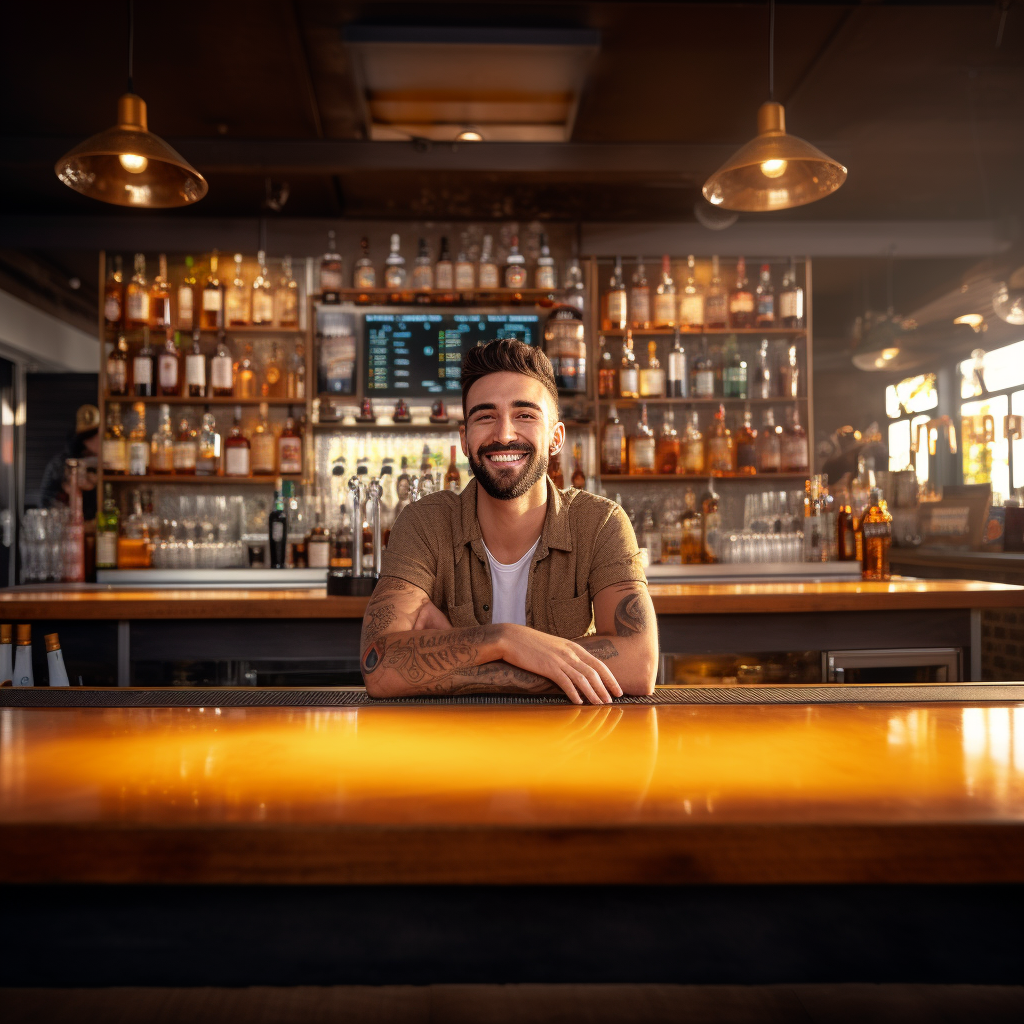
<point x="511" y="431"/>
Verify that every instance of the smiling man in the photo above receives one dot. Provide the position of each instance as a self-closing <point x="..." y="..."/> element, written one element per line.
<point x="499" y="589"/>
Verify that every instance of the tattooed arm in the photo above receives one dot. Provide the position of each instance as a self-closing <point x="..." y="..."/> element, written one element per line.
<point x="627" y="631"/>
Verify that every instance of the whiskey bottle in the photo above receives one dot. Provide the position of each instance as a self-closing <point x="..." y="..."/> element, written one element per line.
<point x="245" y="378"/>
<point x="515" y="266"/>
<point x="613" y="444"/>
<point x="666" y="455"/>
<point x="444" y="271"/>
<point x="278" y="529"/>
<point x="791" y="300"/>
<point x="678" y="374"/>
<point x="23" y="675"/>
<point x="394" y="265"/>
<point x="579" y="478"/>
<point x="318" y="541"/>
<point x="142" y="369"/>
<point x="615" y="304"/>
<point x="665" y="297"/>
<point x="208" y="453"/>
<point x="555" y="472"/>
<point x="262" y="294"/>
<point x="692" y="446"/>
<point x="652" y="376"/>
<point x="115" y="447"/>
<point x="168" y="366"/>
<point x="113" y="296"/>
<point x="642" y="447"/>
<point x="138" y="443"/>
<point x="117" y="368"/>
<point x="846" y="539"/>
<point x="716" y="301"/>
<point x="186" y="448"/>
<point x="671" y="537"/>
<point x="422" y="271"/>
<point x="452" y="478"/>
<point x="745" y="443"/>
<point x="691" y="542"/>
<point x="108" y="520"/>
<point x="465" y="272"/>
<point x="629" y="382"/>
<point x="691" y="301"/>
<point x="364" y="275"/>
<point x="211" y="317"/>
<point x="236" y="448"/>
<point x="607" y="374"/>
<point x="274" y="384"/>
<point x="195" y="369"/>
<point x="768" y="446"/>
<point x="160" y="297"/>
<point x="161" y="449"/>
<point x="56" y="669"/>
<point x="876" y="534"/>
<point x="286" y="297"/>
<point x="640" y="297"/>
<point x="544" y="276"/>
<point x="794" y="445"/>
<point x="332" y="278"/>
<point x="650" y="538"/>
<point x="703" y="372"/>
<point x="711" y="524"/>
<point x="720" y="452"/>
<point x="765" y="298"/>
<point x="236" y="302"/>
<point x="6" y="653"/>
<point x="137" y="296"/>
<point x="222" y="370"/>
<point x="741" y="299"/>
<point x="187" y="298"/>
<point x="734" y="371"/>
<point x="487" y="269"/>
<point x="264" y="462"/>
<point x="289" y="447"/>
<point x="296" y="381"/>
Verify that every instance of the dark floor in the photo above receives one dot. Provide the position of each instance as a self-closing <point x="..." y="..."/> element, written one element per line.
<point x="519" y="1004"/>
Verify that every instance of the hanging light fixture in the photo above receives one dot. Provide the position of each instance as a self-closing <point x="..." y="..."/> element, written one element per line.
<point x="774" y="171"/>
<point x="127" y="165"/>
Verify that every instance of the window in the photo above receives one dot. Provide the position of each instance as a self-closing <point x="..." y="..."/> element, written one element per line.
<point x="913" y="395"/>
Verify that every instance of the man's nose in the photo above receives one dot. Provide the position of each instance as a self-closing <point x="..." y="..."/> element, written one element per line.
<point x="506" y="430"/>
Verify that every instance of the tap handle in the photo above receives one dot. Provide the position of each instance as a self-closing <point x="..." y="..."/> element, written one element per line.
<point x="373" y="496"/>
<point x="356" y="495"/>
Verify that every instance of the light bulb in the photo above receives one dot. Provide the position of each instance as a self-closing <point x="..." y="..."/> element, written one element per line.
<point x="133" y="163"/>
<point x="773" y="168"/>
<point x="1008" y="301"/>
<point x="715" y="198"/>
<point x="469" y="135"/>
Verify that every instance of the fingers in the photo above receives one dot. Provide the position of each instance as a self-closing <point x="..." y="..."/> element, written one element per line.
<point x="605" y="673"/>
<point x="562" y="679"/>
<point x="593" y="677"/>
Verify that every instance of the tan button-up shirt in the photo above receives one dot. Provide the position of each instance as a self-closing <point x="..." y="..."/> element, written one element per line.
<point x="587" y="543"/>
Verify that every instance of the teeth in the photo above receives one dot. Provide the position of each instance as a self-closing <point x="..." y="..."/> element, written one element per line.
<point x="506" y="458"/>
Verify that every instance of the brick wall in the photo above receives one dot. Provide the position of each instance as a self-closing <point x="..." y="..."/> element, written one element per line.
<point x="1002" y="645"/>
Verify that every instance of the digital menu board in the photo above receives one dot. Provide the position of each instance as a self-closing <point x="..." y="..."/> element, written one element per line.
<point x="419" y="355"/>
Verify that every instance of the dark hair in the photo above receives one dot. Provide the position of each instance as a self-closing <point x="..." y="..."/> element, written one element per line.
<point x="507" y="355"/>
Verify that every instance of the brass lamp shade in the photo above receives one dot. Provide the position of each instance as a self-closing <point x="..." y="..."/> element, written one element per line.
<point x="773" y="171"/>
<point x="129" y="166"/>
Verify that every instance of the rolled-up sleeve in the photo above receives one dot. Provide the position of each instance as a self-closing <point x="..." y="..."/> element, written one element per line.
<point x="411" y="554"/>
<point x="616" y="554"/>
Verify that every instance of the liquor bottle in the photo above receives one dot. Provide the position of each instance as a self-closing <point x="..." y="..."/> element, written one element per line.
<point x="286" y="297"/>
<point x="138" y="443"/>
<point x="245" y="377"/>
<point x="555" y="472"/>
<point x="6" y="653"/>
<point x="629" y="382"/>
<point x="642" y="446"/>
<point x="262" y="294"/>
<point x="711" y="524"/>
<point x="211" y="317"/>
<point x="142" y="369"/>
<point x="108" y="520"/>
<point x="187" y="298"/>
<point x="762" y="385"/>
<point x="678" y="375"/>
<point x="115" y="445"/>
<point x="117" y="368"/>
<point x="846" y="538"/>
<point x="394" y="265"/>
<point x="665" y="297"/>
<point x="208" y="453"/>
<point x="575" y="289"/>
<point x="364" y="275"/>
<point x="692" y="446"/>
<point x="768" y="445"/>
<point x="74" y="530"/>
<point x="691" y="541"/>
<point x="515" y="266"/>
<point x="161" y="447"/>
<point x="703" y="373"/>
<point x="195" y="369"/>
<point x="318" y="541"/>
<point x="388" y="500"/>
<point x="579" y="478"/>
<point x="791" y="299"/>
<point x="236" y="302"/>
<point x="332" y="278"/>
<point x="236" y="448"/>
<point x="23" y="675"/>
<point x="274" y="384"/>
<point x="741" y="299"/>
<point x="789" y="375"/>
<point x="452" y="478"/>
<point x="426" y="480"/>
<point x="222" y="370"/>
<point x="487" y="269"/>
<point x="136" y="300"/>
<point x="278" y="529"/>
<point x="422" y="270"/>
<point x="186" y="448"/>
<point x="160" y="297"/>
<point x="613" y="444"/>
<point x="691" y="301"/>
<point x="168" y="366"/>
<point x="264" y="461"/>
<point x="746" y="446"/>
<point x="465" y="272"/>
<point x="794" y="445"/>
<point x="716" y="300"/>
<point x="615" y="304"/>
<point x="544" y="275"/>
<point x="444" y="271"/>
<point x="671" y="537"/>
<point x="113" y="296"/>
<point x="876" y="539"/>
<point x="734" y="371"/>
<point x="289" y="447"/>
<point x="640" y="297"/>
<point x="765" y="298"/>
<point x="607" y="374"/>
<point x="650" y="538"/>
<point x="652" y="376"/>
<point x="56" y="669"/>
<point x="666" y="456"/>
<point x="720" y="452"/>
<point x="295" y="385"/>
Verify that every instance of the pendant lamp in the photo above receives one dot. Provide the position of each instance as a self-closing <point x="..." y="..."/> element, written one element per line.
<point x="128" y="165"/>
<point x="774" y="171"/>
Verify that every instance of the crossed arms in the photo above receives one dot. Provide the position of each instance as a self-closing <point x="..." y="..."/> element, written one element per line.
<point x="409" y="648"/>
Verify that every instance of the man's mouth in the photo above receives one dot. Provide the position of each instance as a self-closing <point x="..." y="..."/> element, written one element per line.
<point x="507" y="458"/>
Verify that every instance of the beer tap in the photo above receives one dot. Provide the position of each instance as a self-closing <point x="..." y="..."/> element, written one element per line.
<point x="357" y="494"/>
<point x="373" y="496"/>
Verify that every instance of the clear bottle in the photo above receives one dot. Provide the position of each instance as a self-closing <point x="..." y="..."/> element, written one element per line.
<point x="794" y="457"/>
<point x="575" y="288"/>
<point x="791" y="299"/>
<point x="769" y="445"/>
<point x="716" y="300"/>
<point x="544" y="275"/>
<point x="693" y="446"/>
<point x="138" y="443"/>
<point x="274" y="384"/>
<point x="263" y="447"/>
<point x="286" y="297"/>
<point x="444" y="270"/>
<point x="160" y="297"/>
<point x="208" y="453"/>
<point x="168" y="366"/>
<point x="465" y="271"/>
<point x="364" y="275"/>
<point x="187" y="297"/>
<point x="117" y="368"/>
<point x="678" y="374"/>
<point x="161" y="448"/>
<point x="394" y="265"/>
<point x="289" y="447"/>
<point x="607" y="373"/>
<point x="318" y="541"/>
<point x="642" y="446"/>
<point x="23" y="674"/>
<point x="515" y="266"/>
<point x="762" y="384"/>
<point x="691" y="301"/>
<point x="236" y="449"/>
<point x="629" y="382"/>
<point x="640" y="297"/>
<point x="113" y="295"/>
<point x="652" y="376"/>
<point x="666" y="456"/>
<point x="296" y="380"/>
<point x="186" y="447"/>
<point x="703" y="373"/>
<point x="487" y="269"/>
<point x="665" y="297"/>
<point x="236" y="301"/>
<point x="423" y="270"/>
<point x="222" y="370"/>
<point x="195" y="368"/>
<point x="245" y="378"/>
<point x="262" y="294"/>
<point x="691" y="522"/>
<point x="741" y="299"/>
<point x="789" y="375"/>
<point x="876" y="539"/>
<point x="711" y="524"/>
<point x="650" y="537"/>
<point x="142" y="369"/>
<point x="212" y="313"/>
<point x="765" y="298"/>
<point x="136" y="301"/>
<point x="332" y="278"/>
<point x="58" y="672"/>
<point x="720" y="452"/>
<point x="613" y="444"/>
<point x="108" y="523"/>
<point x="746" y="445"/>
<point x="115" y="444"/>
<point x="734" y="371"/>
<point x="616" y="315"/>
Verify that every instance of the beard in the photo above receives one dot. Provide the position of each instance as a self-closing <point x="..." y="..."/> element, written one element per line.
<point x="506" y="483"/>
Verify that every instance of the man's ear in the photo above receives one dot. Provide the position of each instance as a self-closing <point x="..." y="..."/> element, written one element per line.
<point x="557" y="439"/>
<point x="462" y="438"/>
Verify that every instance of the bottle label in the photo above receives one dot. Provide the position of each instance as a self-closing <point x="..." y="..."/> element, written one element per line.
<point x="330" y="279"/>
<point x="113" y="455"/>
<point x="161" y="310"/>
<point x="106" y="549"/>
<point x="770" y="458"/>
<point x="691" y="311"/>
<point x="168" y="372"/>
<point x="444" y="276"/>
<point x="463" y="276"/>
<point x="142" y="370"/>
<point x="643" y="453"/>
<point x="741" y="302"/>
<point x="138" y="458"/>
<point x="220" y="373"/>
<point x="195" y="370"/>
<point x="290" y="452"/>
<point x="185" y="307"/>
<point x="617" y="307"/>
<point x="545" y="277"/>
<point x="766" y="307"/>
<point x="318" y="552"/>
<point x="364" y="277"/>
<point x="716" y="311"/>
<point x="212" y="300"/>
<point x="628" y="381"/>
<point x="138" y="306"/>
<point x="394" y="277"/>
<point x="791" y="306"/>
<point x="665" y="310"/>
<point x="515" y="276"/>
<point x="117" y="373"/>
<point x="262" y="307"/>
<point x="704" y="384"/>
<point x="734" y="382"/>
<point x="794" y="453"/>
<point x="236" y="461"/>
<point x="611" y="450"/>
<point x="262" y="452"/>
<point x="874" y="531"/>
<point x="488" y="275"/>
<point x="184" y="457"/>
<point x="277" y="531"/>
<point x="641" y="306"/>
<point x="652" y="383"/>
<point x="677" y="366"/>
<point x="719" y="455"/>
<point x="112" y="308"/>
<point x="693" y="458"/>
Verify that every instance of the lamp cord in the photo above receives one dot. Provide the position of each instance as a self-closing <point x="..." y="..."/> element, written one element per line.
<point x="131" y="45"/>
<point x="771" y="49"/>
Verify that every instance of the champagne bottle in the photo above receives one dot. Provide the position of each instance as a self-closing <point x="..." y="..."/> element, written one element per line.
<point x="6" y="653"/>
<point x="55" y="661"/>
<point x="23" y="657"/>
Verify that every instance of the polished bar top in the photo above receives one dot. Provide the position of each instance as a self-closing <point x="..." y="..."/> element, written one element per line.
<point x="99" y="602"/>
<point x="514" y="794"/>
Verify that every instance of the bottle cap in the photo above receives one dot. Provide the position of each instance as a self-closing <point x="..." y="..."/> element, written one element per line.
<point x="24" y="634"/>
<point x="52" y="642"/>
<point x="6" y="633"/>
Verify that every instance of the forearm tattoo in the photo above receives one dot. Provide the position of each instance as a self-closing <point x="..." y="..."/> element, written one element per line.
<point x="599" y="646"/>
<point x="427" y="657"/>
<point x="494" y="677"/>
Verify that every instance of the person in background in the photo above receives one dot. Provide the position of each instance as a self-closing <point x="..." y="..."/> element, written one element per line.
<point x="84" y="445"/>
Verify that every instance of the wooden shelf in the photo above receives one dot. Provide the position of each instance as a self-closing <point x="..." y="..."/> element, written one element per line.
<point x="189" y="478"/>
<point x="629" y="403"/>
<point x="183" y="400"/>
<point x="659" y="477"/>
<point x="436" y="297"/>
<point x="769" y="332"/>
<point x="410" y="427"/>
<point x="113" y="332"/>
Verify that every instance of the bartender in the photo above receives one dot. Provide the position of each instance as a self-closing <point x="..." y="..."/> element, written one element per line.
<point x="512" y="586"/>
<point x="84" y="445"/>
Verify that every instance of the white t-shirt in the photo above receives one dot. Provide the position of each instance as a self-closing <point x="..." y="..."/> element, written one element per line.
<point x="508" y="587"/>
